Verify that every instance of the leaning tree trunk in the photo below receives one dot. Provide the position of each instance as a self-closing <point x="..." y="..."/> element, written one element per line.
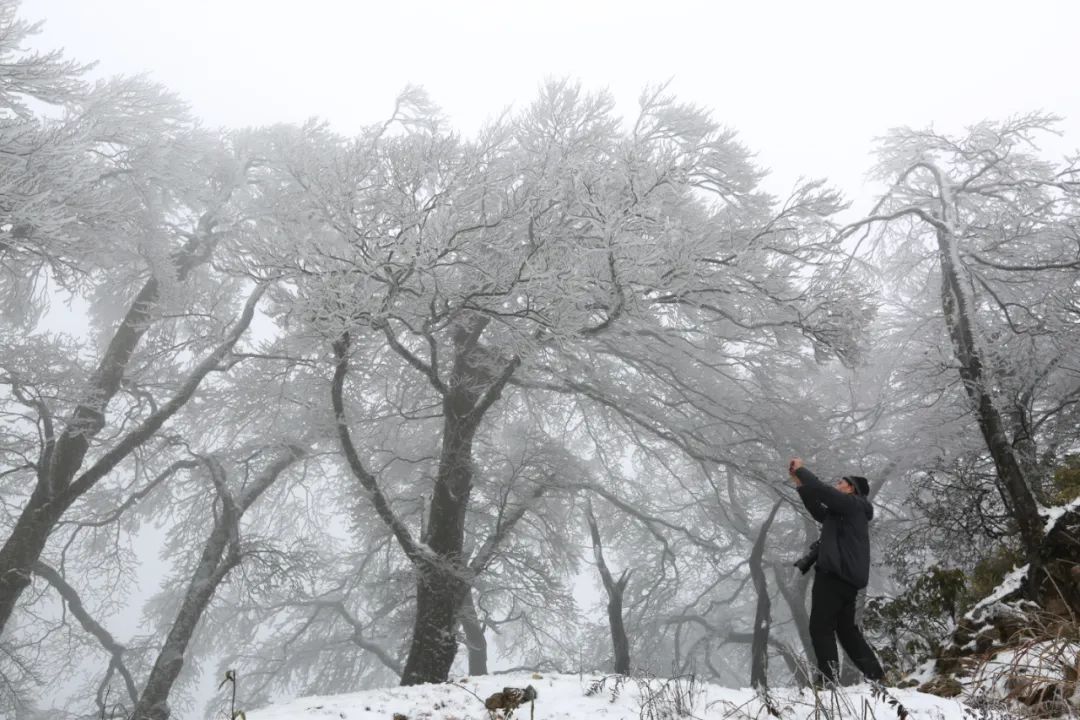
<point x="759" y="647"/>
<point x="212" y="568"/>
<point x="615" y="589"/>
<point x="62" y="458"/>
<point x="221" y="553"/>
<point x="958" y="319"/>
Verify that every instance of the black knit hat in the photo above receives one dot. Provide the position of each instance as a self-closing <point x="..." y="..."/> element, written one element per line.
<point x="861" y="484"/>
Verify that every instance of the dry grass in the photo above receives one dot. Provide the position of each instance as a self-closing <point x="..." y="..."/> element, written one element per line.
<point x="1037" y="673"/>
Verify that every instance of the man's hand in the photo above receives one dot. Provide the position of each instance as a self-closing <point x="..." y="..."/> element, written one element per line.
<point x="793" y="465"/>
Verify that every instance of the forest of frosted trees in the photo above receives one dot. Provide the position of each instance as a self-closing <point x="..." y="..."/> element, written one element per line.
<point x="337" y="412"/>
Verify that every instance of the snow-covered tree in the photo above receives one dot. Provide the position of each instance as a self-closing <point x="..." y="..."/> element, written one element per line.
<point x="557" y="260"/>
<point x="978" y="236"/>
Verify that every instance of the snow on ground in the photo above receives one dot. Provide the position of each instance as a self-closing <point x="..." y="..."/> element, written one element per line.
<point x="561" y="697"/>
<point x="1009" y="584"/>
<point x="1053" y="514"/>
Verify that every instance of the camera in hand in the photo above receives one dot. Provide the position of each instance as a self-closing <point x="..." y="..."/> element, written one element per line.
<point x="807" y="561"/>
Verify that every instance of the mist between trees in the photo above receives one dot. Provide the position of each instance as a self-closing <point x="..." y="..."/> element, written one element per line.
<point x="573" y="346"/>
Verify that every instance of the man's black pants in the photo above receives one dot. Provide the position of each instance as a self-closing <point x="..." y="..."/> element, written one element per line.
<point x="832" y="612"/>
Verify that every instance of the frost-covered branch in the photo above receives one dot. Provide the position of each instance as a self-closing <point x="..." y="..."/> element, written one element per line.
<point x="74" y="602"/>
<point x="410" y="547"/>
<point x="153" y="423"/>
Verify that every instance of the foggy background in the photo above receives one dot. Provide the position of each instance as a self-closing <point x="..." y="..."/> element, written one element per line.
<point x="674" y="421"/>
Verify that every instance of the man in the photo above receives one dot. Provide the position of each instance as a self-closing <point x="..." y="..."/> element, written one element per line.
<point x="843" y="568"/>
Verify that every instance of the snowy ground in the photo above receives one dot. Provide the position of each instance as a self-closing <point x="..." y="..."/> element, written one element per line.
<point x="611" y="698"/>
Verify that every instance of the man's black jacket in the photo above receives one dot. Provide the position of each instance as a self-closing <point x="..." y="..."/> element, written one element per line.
<point x="845" y="531"/>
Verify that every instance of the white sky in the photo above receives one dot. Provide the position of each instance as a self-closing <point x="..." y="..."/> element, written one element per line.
<point x="808" y="84"/>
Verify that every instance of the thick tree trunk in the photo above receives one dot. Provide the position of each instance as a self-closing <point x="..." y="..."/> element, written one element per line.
<point x="475" y="640"/>
<point x="759" y="647"/>
<point x="442" y="585"/>
<point x="443" y="575"/>
<point x="443" y="582"/>
<point x="23" y="549"/>
<point x="619" y="641"/>
<point x="434" y="640"/>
